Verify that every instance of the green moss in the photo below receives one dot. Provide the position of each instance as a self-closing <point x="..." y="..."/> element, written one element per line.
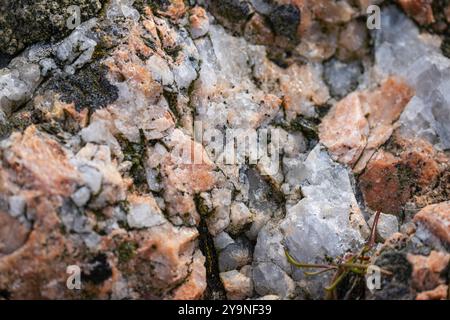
<point x="405" y="176"/>
<point x="136" y="154"/>
<point x="172" y="100"/>
<point x="126" y="251"/>
<point x="201" y="206"/>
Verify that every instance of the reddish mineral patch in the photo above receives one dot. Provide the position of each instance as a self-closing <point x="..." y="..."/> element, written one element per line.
<point x="420" y="10"/>
<point x="427" y="270"/>
<point x="361" y="122"/>
<point x="436" y="218"/>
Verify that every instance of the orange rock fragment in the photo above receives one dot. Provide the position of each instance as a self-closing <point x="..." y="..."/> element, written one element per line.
<point x="419" y="10"/>
<point x="438" y="293"/>
<point x="40" y="163"/>
<point x="384" y="187"/>
<point x="361" y="122"/>
<point x="345" y="129"/>
<point x="436" y="218"/>
<point x="426" y="273"/>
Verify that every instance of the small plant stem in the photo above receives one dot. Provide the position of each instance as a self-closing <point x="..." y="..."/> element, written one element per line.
<point x="319" y="272"/>
<point x="338" y="279"/>
<point x="305" y="265"/>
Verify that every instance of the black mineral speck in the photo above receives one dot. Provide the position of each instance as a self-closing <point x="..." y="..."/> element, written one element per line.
<point x="396" y="286"/>
<point x="24" y="22"/>
<point x="285" y="20"/>
<point x="88" y="88"/>
<point x="100" y="270"/>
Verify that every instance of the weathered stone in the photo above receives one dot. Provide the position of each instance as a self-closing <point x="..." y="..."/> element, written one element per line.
<point x="386" y="227"/>
<point x="112" y="156"/>
<point x="438" y="293"/>
<point x="437" y="219"/>
<point x="342" y="77"/>
<point x="237" y="285"/>
<point x="427" y="271"/>
<point x="235" y="255"/>
<point x="385" y="184"/>
<point x="23" y="23"/>
<point x="420" y="10"/>
<point x="354" y="140"/>
<point x="271" y="280"/>
<point x="144" y="212"/>
<point x="401" y="51"/>
<point x="199" y="22"/>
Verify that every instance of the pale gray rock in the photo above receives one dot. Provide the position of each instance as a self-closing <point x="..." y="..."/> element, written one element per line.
<point x="262" y="6"/>
<point x="77" y="49"/>
<point x="17" y="83"/>
<point x="269" y="279"/>
<point x="269" y="247"/>
<point x="387" y="225"/>
<point x="81" y="196"/>
<point x="269" y="297"/>
<point x="17" y="206"/>
<point x="92" y="177"/>
<point x="235" y="255"/>
<point x="240" y="216"/>
<point x="319" y="224"/>
<point x="402" y="51"/>
<point x="341" y="77"/>
<point x="222" y="240"/>
<point x="122" y="8"/>
<point x="145" y="215"/>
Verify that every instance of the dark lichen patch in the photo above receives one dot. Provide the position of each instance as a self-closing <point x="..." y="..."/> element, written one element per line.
<point x="352" y="287"/>
<point x="172" y="100"/>
<point x="285" y="20"/>
<point x="202" y="208"/>
<point x="88" y="88"/>
<point x="233" y="11"/>
<point x="173" y="51"/>
<point x="126" y="251"/>
<point x="307" y="126"/>
<point x="99" y="270"/>
<point x="25" y="22"/>
<point x="136" y="154"/>
<point x="396" y="286"/>
<point x="440" y="24"/>
<point x="406" y="176"/>
<point x="214" y="289"/>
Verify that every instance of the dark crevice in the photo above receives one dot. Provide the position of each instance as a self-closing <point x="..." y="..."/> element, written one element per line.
<point x="5" y="59"/>
<point x="214" y="289"/>
<point x="100" y="272"/>
<point x="5" y="294"/>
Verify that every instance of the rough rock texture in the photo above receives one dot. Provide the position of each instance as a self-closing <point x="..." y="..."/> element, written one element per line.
<point x="178" y="149"/>
<point x="26" y="22"/>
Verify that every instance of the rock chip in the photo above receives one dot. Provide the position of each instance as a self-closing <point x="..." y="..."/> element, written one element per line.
<point x="437" y="219"/>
